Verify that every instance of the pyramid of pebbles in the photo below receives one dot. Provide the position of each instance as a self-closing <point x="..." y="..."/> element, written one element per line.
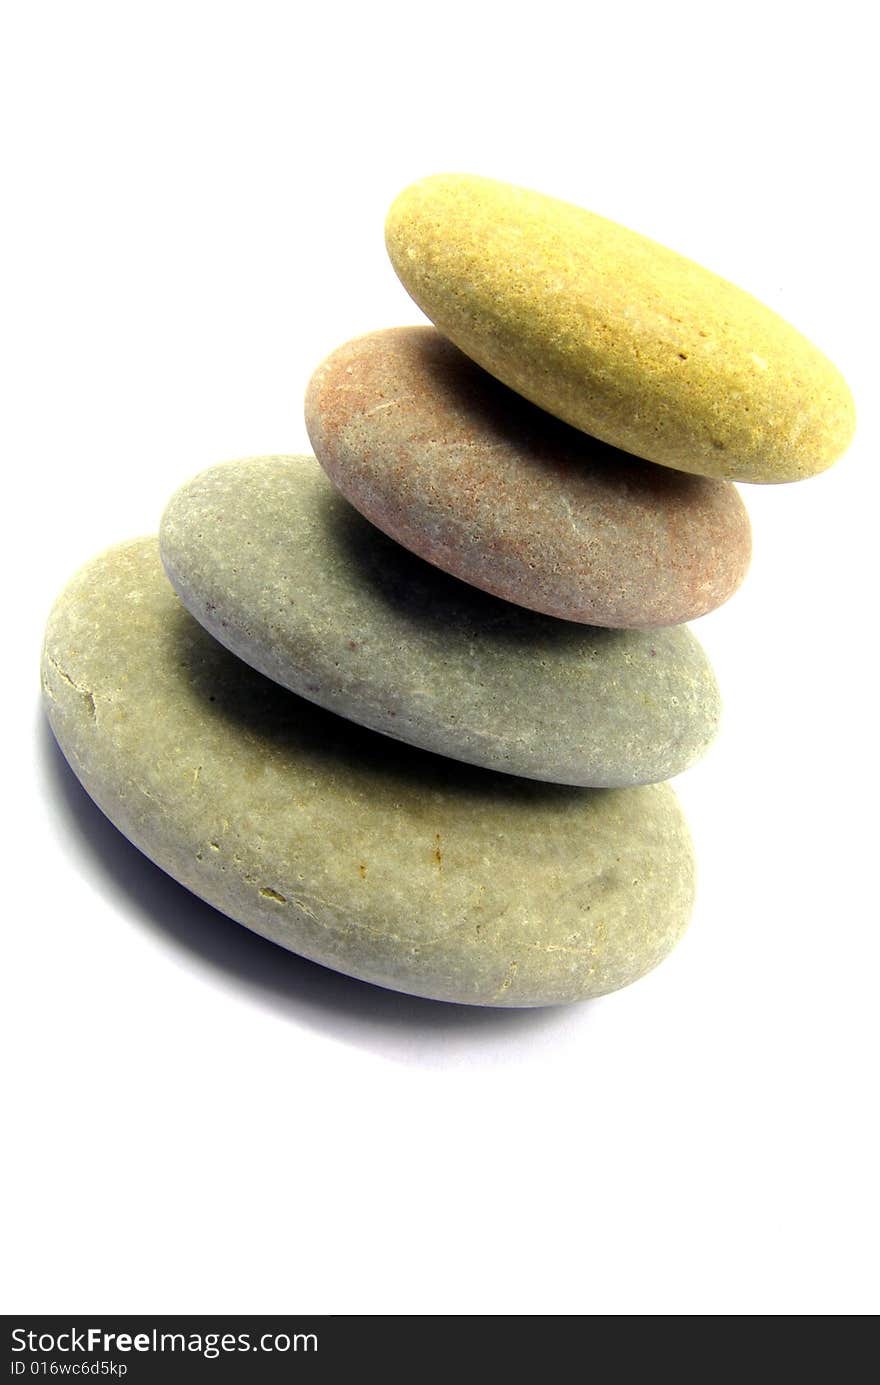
<point x="406" y="707"/>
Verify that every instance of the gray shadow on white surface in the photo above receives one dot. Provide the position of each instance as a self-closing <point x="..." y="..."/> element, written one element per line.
<point x="399" y="1026"/>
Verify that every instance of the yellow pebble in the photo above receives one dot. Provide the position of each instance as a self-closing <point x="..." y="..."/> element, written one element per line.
<point x="617" y="335"/>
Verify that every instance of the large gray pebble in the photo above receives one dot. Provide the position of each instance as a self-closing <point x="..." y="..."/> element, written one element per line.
<point x="381" y="861"/>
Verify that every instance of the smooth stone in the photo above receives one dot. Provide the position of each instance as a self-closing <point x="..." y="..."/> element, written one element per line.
<point x="616" y="334"/>
<point x="279" y="568"/>
<point x="470" y="476"/>
<point x="378" y="860"/>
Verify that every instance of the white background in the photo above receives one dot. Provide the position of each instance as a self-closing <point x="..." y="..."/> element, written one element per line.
<point x="194" y="202"/>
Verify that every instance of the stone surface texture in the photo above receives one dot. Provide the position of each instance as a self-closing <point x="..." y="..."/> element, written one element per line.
<point x="616" y="334"/>
<point x="285" y="573"/>
<point x="381" y="861"/>
<point x="467" y="474"/>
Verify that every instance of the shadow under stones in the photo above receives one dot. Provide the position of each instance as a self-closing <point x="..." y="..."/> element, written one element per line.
<point x="542" y="441"/>
<point x="258" y="708"/>
<point x="428" y="599"/>
<point x="302" y="991"/>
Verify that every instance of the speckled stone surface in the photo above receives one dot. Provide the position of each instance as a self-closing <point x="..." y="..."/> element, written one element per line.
<point x="378" y="860"/>
<point x="472" y="477"/>
<point x="283" y="571"/>
<point x="617" y="334"/>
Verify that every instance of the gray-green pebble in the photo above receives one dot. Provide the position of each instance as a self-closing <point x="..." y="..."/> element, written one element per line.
<point x="378" y="860"/>
<point x="286" y="574"/>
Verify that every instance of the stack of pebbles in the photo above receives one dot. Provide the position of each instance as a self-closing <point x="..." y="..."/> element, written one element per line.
<point x="525" y="503"/>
